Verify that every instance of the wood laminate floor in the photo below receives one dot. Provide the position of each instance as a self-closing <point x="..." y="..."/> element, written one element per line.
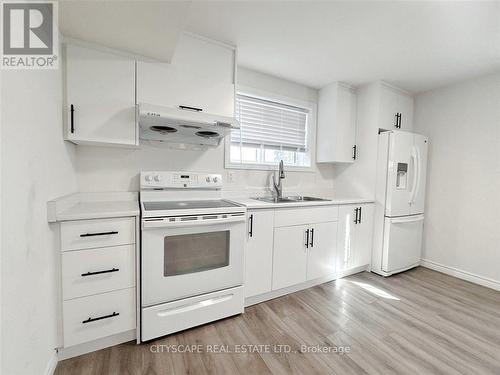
<point x="417" y="322"/>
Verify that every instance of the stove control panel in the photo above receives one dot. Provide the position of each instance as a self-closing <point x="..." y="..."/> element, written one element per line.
<point x="180" y="180"/>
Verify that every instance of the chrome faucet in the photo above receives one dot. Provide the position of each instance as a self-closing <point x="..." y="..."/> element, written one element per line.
<point x="279" y="186"/>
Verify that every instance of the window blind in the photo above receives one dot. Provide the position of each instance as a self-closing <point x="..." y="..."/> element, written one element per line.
<point x="270" y="124"/>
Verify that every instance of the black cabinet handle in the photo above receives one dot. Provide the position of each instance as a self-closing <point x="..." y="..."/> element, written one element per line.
<point x="307" y="238"/>
<point x="397" y="125"/>
<point x="354" y="151"/>
<point x="190" y="108"/>
<point x="251" y="226"/>
<point x="72" y="116"/>
<point x="100" y="318"/>
<point x="356" y="215"/>
<point x="100" y="272"/>
<point x="359" y="220"/>
<point x="98" y="234"/>
<point x="312" y="238"/>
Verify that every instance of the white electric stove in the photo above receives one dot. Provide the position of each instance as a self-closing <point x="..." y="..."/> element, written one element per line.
<point x="192" y="253"/>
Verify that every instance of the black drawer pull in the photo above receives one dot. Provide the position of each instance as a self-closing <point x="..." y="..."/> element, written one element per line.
<point x="100" y="272"/>
<point x="251" y="226"/>
<point x="72" y="112"/>
<point x="101" y="317"/>
<point x="191" y="108"/>
<point x="98" y="234"/>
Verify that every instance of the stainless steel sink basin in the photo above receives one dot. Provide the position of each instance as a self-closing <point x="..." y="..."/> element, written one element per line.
<point x="301" y="198"/>
<point x="274" y="200"/>
<point x="297" y="198"/>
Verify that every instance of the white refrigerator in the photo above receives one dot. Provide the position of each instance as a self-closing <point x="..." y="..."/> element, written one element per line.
<point x="399" y="201"/>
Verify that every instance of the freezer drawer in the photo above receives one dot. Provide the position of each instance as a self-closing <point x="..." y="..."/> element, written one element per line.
<point x="402" y="243"/>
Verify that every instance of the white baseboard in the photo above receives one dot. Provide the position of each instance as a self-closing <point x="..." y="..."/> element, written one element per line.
<point x="308" y="284"/>
<point x="464" y="275"/>
<point x="52" y="364"/>
<point x="284" y="291"/>
<point x="352" y="271"/>
<point x="92" y="346"/>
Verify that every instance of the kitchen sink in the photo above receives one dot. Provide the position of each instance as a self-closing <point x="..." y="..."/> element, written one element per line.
<point x="292" y="199"/>
<point x="301" y="198"/>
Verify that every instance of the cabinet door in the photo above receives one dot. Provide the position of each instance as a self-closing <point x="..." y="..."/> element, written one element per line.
<point x="346" y="237"/>
<point x="388" y="108"/>
<point x="336" y="124"/>
<point x="392" y="103"/>
<point x="100" y="97"/>
<point x="405" y="107"/>
<point x="259" y="253"/>
<point x="322" y="249"/>
<point x="201" y="75"/>
<point x="346" y="123"/>
<point x="168" y="85"/>
<point x="363" y="236"/>
<point x="290" y="256"/>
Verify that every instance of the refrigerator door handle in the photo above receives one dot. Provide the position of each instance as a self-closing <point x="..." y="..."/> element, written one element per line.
<point x="407" y="219"/>
<point x="415" y="175"/>
<point x="419" y="174"/>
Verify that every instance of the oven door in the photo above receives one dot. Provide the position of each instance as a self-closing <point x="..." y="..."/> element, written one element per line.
<point x="186" y="259"/>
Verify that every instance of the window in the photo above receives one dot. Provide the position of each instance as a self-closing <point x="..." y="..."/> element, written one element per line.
<point x="270" y="131"/>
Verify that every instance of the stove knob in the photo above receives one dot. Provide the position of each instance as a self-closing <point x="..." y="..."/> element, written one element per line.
<point x="148" y="178"/>
<point x="157" y="178"/>
<point x="216" y="179"/>
<point x="208" y="179"/>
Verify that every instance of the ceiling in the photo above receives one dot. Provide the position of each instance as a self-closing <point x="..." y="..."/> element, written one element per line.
<point x="414" y="45"/>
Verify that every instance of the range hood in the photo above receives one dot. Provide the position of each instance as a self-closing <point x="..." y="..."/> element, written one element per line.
<point x="183" y="125"/>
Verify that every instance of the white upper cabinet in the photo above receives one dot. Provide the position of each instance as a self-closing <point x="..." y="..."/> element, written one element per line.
<point x="201" y="75"/>
<point x="336" y="135"/>
<point x="396" y="109"/>
<point x="100" y="98"/>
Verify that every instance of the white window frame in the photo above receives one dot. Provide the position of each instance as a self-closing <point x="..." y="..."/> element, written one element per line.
<point x="311" y="131"/>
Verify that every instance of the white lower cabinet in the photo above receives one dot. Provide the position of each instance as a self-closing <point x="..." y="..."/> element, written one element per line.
<point x="303" y="253"/>
<point x="354" y="242"/>
<point x="259" y="252"/>
<point x="322" y="250"/>
<point x="98" y="278"/>
<point x="93" y="317"/>
<point x="290" y="256"/>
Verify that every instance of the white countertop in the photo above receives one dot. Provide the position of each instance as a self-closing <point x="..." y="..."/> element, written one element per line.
<point x="81" y="206"/>
<point x="333" y="199"/>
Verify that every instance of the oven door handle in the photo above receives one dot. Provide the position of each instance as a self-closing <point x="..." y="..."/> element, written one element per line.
<point x="194" y="306"/>
<point x="165" y="223"/>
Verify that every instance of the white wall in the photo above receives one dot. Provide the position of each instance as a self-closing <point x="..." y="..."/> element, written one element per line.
<point x="462" y="224"/>
<point x="108" y="169"/>
<point x="37" y="166"/>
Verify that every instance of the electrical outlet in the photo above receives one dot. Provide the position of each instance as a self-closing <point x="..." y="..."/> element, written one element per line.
<point x="230" y="177"/>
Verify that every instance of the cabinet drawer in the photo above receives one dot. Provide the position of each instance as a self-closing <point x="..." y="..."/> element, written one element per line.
<point x="87" y="234"/>
<point x="89" y="318"/>
<point x="178" y="315"/>
<point x="87" y="272"/>
<point x="307" y="215"/>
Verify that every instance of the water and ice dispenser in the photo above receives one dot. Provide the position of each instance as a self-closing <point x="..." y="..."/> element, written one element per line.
<point x="402" y="176"/>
